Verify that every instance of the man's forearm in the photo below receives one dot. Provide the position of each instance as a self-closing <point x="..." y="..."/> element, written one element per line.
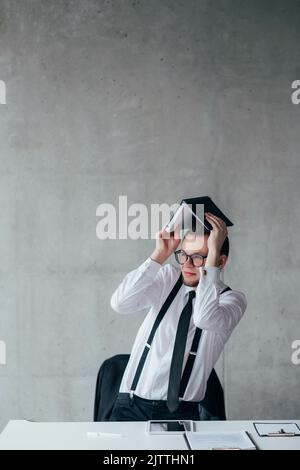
<point x="139" y="289"/>
<point x="158" y="257"/>
<point x="212" y="258"/>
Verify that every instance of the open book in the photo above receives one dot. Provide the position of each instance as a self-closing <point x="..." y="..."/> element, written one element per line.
<point x="220" y="440"/>
<point x="185" y="219"/>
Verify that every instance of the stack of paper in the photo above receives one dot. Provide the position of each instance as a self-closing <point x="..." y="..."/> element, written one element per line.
<point x="220" y="440"/>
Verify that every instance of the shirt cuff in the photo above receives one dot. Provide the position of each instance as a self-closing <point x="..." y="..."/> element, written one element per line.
<point x="150" y="267"/>
<point x="210" y="274"/>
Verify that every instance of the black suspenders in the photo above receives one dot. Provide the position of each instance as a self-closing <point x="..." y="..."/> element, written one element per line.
<point x="158" y="319"/>
<point x="191" y="358"/>
<point x="192" y="355"/>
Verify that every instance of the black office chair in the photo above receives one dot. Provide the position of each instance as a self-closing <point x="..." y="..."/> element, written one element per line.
<point x="109" y="380"/>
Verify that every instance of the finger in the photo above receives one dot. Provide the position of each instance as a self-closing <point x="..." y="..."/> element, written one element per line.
<point x="163" y="234"/>
<point x="212" y="221"/>
<point x="166" y="235"/>
<point x="218" y="227"/>
<point x="218" y="219"/>
<point x="213" y="224"/>
<point x="221" y="224"/>
<point x="177" y="233"/>
<point x="215" y="218"/>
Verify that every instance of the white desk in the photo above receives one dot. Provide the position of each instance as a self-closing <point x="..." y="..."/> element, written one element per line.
<point x="29" y="435"/>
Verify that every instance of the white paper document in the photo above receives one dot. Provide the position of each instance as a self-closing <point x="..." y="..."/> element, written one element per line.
<point x="220" y="440"/>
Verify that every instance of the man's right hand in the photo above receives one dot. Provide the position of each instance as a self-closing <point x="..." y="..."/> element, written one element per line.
<point x="166" y="244"/>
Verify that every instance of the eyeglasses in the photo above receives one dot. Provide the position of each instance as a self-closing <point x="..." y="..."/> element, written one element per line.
<point x="182" y="257"/>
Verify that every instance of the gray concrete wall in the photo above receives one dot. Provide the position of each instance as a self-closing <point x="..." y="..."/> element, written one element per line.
<point x="155" y="100"/>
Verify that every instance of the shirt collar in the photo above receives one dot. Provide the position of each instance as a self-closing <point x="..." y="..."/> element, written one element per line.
<point x="187" y="289"/>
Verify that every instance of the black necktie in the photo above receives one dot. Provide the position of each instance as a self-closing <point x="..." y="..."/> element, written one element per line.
<point x="178" y="354"/>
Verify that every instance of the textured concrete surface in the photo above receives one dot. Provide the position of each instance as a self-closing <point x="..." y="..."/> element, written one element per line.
<point x="156" y="100"/>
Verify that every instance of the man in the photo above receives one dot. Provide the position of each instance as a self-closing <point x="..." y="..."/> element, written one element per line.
<point x="182" y="337"/>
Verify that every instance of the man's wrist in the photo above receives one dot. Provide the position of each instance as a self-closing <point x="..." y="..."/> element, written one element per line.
<point x="158" y="257"/>
<point x="210" y="274"/>
<point x="213" y="258"/>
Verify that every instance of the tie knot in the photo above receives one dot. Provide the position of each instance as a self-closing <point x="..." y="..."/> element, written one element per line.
<point x="192" y="294"/>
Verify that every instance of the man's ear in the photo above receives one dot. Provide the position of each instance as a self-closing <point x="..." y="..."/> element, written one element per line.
<point x="222" y="261"/>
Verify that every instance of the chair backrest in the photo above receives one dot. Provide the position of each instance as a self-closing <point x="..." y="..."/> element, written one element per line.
<point x="109" y="380"/>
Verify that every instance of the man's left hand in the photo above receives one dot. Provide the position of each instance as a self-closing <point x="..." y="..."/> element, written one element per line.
<point x="216" y="238"/>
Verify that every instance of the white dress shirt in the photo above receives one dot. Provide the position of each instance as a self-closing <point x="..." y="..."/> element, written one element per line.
<point x="147" y="287"/>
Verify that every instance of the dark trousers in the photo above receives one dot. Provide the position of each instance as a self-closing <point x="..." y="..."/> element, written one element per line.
<point x="140" y="409"/>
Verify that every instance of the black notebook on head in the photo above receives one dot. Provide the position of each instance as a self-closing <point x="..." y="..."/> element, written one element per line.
<point x="190" y="216"/>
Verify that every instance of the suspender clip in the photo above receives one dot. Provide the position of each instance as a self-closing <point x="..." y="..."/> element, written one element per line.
<point x="131" y="397"/>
